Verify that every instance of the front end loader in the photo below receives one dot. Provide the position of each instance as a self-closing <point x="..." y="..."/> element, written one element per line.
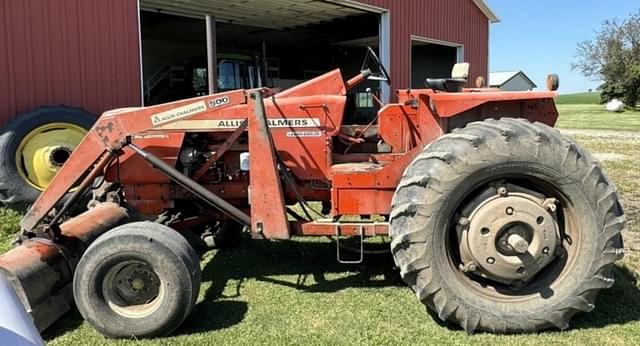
<point x="498" y="222"/>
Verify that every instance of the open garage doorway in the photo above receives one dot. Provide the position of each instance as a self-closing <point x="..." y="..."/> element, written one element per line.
<point x="432" y="59"/>
<point x="171" y="45"/>
<point x="253" y="51"/>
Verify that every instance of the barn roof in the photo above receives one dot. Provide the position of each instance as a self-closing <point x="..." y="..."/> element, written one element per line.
<point x="498" y="79"/>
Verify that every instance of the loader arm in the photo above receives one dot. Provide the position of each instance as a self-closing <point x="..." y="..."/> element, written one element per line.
<point x="109" y="135"/>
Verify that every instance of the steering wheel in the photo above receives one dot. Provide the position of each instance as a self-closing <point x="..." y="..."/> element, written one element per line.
<point x="382" y="74"/>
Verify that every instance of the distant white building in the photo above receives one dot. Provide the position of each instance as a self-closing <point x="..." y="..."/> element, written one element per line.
<point x="511" y="81"/>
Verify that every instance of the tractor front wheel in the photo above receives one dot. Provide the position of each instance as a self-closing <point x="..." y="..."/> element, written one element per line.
<point x="506" y="226"/>
<point x="138" y="280"/>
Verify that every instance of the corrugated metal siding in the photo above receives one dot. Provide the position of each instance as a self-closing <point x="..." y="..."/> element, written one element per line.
<point x="457" y="21"/>
<point x="82" y="53"/>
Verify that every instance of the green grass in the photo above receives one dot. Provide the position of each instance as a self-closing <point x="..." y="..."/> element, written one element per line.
<point x="295" y="292"/>
<point x="593" y="116"/>
<point x="9" y="221"/>
<point x="579" y="98"/>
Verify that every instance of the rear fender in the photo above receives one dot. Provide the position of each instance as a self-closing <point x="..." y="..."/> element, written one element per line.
<point x="454" y="110"/>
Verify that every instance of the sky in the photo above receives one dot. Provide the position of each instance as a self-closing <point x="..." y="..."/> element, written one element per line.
<point x="540" y="36"/>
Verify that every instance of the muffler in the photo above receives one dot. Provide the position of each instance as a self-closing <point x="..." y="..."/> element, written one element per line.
<point x="41" y="271"/>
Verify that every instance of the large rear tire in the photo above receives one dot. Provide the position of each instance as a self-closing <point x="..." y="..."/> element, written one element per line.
<point x="33" y="147"/>
<point x="525" y="267"/>
<point x="138" y="280"/>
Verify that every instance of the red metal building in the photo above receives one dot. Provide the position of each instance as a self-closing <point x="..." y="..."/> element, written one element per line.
<point x="463" y="24"/>
<point x="79" y="53"/>
<point x="87" y="53"/>
<point x="98" y="55"/>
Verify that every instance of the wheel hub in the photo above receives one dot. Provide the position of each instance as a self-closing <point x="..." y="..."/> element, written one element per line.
<point x="59" y="155"/>
<point x="137" y="284"/>
<point x="510" y="235"/>
<point x="44" y="150"/>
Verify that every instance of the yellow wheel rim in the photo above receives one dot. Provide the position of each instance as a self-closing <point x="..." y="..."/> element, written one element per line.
<point x="44" y="150"/>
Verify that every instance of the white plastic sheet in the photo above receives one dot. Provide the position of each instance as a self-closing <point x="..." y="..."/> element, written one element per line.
<point x="615" y="106"/>
<point x="16" y="326"/>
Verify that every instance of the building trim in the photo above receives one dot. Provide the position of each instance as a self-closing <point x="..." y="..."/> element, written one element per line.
<point x="488" y="11"/>
<point x="459" y="46"/>
<point x="488" y="51"/>
<point x="435" y="41"/>
<point x="359" y="5"/>
<point x="140" y="54"/>
<point x="384" y="49"/>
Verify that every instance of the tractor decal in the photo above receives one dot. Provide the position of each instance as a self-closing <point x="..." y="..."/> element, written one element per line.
<point x="219" y="102"/>
<point x="235" y="123"/>
<point x="178" y="113"/>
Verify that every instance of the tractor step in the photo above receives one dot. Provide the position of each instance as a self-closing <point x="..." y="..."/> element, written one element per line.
<point x="338" y="246"/>
<point x="361" y="230"/>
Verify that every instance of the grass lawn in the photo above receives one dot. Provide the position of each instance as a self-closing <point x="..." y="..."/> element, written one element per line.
<point x="579" y="99"/>
<point x="9" y="221"/>
<point x="595" y="116"/>
<point x="295" y="292"/>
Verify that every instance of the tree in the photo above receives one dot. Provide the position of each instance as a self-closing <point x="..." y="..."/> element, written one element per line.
<point x="613" y="56"/>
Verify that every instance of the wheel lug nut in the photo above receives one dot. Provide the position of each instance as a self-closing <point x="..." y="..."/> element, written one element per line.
<point x="463" y="221"/>
<point x="521" y="270"/>
<point x="491" y="260"/>
<point x="550" y="204"/>
<point x="509" y="211"/>
<point x="545" y="250"/>
<point x="469" y="267"/>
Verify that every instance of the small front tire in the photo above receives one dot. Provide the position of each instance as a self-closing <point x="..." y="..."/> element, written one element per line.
<point x="138" y="280"/>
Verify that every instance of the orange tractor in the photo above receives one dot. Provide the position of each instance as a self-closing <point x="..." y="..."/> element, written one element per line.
<point x="497" y="222"/>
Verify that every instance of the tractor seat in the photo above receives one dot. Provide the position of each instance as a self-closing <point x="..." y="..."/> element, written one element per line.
<point x="354" y="168"/>
<point x="455" y="84"/>
<point x="452" y="85"/>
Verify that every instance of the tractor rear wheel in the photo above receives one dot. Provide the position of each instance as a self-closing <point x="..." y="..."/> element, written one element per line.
<point x="138" y="280"/>
<point x="33" y="147"/>
<point x="506" y="226"/>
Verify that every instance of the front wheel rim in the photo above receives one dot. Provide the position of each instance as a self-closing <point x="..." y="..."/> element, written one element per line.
<point x="133" y="290"/>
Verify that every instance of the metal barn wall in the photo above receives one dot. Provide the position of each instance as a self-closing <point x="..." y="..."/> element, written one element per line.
<point x="457" y="21"/>
<point x="82" y="53"/>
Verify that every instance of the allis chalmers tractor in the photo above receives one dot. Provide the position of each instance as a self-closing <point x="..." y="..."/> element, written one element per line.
<point x="498" y="222"/>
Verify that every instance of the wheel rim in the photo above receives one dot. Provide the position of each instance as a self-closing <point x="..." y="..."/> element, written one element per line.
<point x="132" y="289"/>
<point x="44" y="150"/>
<point x="522" y="265"/>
